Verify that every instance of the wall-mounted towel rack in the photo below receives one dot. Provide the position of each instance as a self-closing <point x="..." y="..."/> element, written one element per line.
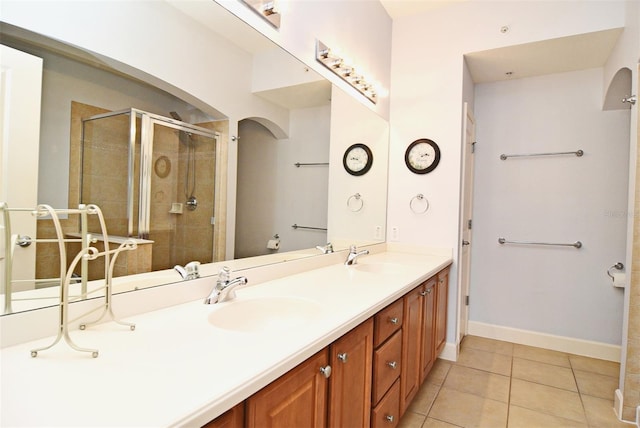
<point x="576" y="244"/>
<point x="577" y="153"/>
<point x="299" y="164"/>
<point x="296" y="226"/>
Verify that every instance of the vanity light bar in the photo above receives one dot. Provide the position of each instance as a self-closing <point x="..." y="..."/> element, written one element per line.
<point x="267" y="9"/>
<point x="346" y="72"/>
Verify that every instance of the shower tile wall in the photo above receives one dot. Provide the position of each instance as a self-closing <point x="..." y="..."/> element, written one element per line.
<point x="195" y="238"/>
<point x="47" y="257"/>
<point x="164" y="192"/>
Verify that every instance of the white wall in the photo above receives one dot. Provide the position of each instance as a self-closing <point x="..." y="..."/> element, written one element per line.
<point x="353" y="123"/>
<point x="273" y="193"/>
<point x="359" y="30"/>
<point x="427" y="94"/>
<point x="559" y="291"/>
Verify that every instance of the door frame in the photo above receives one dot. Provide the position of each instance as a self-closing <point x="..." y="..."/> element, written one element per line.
<point x="466" y="211"/>
<point x="20" y="98"/>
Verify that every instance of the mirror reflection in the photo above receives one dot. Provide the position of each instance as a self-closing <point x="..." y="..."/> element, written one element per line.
<point x="157" y="166"/>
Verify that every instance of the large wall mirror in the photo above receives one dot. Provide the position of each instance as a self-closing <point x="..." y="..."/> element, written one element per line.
<point x="253" y="176"/>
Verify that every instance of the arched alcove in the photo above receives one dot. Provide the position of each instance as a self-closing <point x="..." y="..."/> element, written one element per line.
<point x="619" y="88"/>
<point x="273" y="127"/>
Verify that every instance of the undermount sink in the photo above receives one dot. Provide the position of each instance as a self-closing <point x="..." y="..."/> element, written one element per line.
<point x="379" y="268"/>
<point x="265" y="314"/>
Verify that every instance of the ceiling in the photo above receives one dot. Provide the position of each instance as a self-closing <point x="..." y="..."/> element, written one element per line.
<point x="559" y="55"/>
<point x="573" y="53"/>
<point x="400" y="8"/>
<point x="579" y="52"/>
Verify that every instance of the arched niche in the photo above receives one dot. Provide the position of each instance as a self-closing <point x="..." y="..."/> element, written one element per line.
<point x="619" y="88"/>
<point x="273" y="127"/>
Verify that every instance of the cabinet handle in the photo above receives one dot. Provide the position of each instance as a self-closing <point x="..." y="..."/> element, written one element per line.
<point x="326" y="371"/>
<point x="393" y="364"/>
<point x="394" y="320"/>
<point x="342" y="357"/>
<point x="424" y="293"/>
<point x="389" y="418"/>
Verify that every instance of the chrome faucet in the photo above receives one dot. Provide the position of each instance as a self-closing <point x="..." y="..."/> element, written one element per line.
<point x="190" y="271"/>
<point x="326" y="249"/>
<point x="352" y="257"/>
<point x="224" y="288"/>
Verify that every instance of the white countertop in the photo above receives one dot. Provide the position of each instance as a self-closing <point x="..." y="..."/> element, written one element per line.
<point x="177" y="369"/>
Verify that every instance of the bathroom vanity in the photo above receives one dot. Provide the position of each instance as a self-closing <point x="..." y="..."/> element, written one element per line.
<point x="352" y="342"/>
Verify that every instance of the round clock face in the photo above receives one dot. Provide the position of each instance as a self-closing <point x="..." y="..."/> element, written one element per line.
<point x="357" y="159"/>
<point x="422" y="156"/>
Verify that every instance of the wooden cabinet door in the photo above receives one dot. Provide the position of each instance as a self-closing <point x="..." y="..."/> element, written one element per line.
<point x="297" y="399"/>
<point x="232" y="418"/>
<point x="411" y="336"/>
<point x="442" y="292"/>
<point x="351" y="359"/>
<point x="428" y="348"/>
<point x="386" y="413"/>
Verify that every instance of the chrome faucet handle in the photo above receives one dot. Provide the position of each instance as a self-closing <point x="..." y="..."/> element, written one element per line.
<point x="224" y="275"/>
<point x="193" y="270"/>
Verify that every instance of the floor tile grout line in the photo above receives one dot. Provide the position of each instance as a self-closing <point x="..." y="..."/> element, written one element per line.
<point x="511" y="379"/>
<point x="509" y="396"/>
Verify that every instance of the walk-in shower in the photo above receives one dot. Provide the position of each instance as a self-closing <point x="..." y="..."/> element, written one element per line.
<point x="142" y="169"/>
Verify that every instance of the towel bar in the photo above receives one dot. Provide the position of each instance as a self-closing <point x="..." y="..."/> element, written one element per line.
<point x="576" y="244"/>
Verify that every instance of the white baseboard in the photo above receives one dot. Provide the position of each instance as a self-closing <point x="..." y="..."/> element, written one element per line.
<point x="587" y="348"/>
<point x="618" y="399"/>
<point x="449" y="352"/>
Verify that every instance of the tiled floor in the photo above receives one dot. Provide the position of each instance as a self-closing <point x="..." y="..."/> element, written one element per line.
<point x="499" y="384"/>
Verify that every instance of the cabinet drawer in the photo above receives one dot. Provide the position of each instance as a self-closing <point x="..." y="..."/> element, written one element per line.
<point x="386" y="365"/>
<point x="387" y="322"/>
<point x="387" y="412"/>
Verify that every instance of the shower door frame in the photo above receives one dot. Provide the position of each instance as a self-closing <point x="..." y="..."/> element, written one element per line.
<point x="147" y="122"/>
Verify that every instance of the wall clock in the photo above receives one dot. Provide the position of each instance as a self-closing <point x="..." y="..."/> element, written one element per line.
<point x="422" y="156"/>
<point x="357" y="159"/>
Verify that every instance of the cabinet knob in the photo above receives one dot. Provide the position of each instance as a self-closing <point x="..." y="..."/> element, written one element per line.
<point x="389" y="418"/>
<point x="394" y="320"/>
<point x="393" y="364"/>
<point x="326" y="371"/>
<point x="342" y="357"/>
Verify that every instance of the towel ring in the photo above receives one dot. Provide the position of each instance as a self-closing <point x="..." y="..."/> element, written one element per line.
<point x="419" y="197"/>
<point x="356" y="197"/>
<point x="618" y="266"/>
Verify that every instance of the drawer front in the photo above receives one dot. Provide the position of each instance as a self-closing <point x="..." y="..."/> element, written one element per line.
<point x="387" y="413"/>
<point x="386" y="365"/>
<point x="387" y="322"/>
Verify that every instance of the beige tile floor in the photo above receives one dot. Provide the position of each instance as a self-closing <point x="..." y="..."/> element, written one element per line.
<point x="501" y="384"/>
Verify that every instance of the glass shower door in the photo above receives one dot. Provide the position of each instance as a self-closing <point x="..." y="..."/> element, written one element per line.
<point x="154" y="179"/>
<point x="181" y="195"/>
